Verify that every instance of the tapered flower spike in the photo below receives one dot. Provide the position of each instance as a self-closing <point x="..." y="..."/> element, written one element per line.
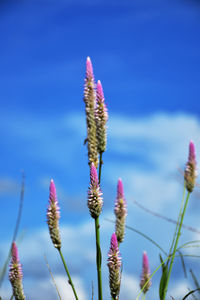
<point x="15" y="274"/>
<point x="120" y="212"/>
<point x="191" y="169"/>
<point x="90" y="103"/>
<point x="145" y="273"/>
<point x="114" y="265"/>
<point x="53" y="216"/>
<point x="95" y="201"/>
<point x="101" y="115"/>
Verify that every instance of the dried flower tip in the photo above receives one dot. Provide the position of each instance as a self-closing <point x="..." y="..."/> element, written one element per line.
<point x="53" y="216"/>
<point x="90" y="102"/>
<point x="114" y="265"/>
<point x="145" y="277"/>
<point x="120" y="212"/>
<point x="101" y="115"/>
<point x="95" y="201"/>
<point x="15" y="274"/>
<point x="191" y="170"/>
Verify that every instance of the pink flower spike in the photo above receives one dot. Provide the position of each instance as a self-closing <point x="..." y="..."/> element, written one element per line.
<point x="100" y="94"/>
<point x="89" y="69"/>
<point x="15" y="255"/>
<point x="191" y="168"/>
<point x="93" y="176"/>
<point x="145" y="262"/>
<point x="145" y="273"/>
<point x="120" y="189"/>
<point x="53" y="216"/>
<point x="15" y="274"/>
<point x="95" y="201"/>
<point x="52" y="190"/>
<point x="113" y="243"/>
<point x="192" y="152"/>
<point x="114" y="265"/>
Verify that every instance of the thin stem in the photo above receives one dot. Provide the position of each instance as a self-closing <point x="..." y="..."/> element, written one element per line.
<point x="100" y="165"/>
<point x="177" y="224"/>
<point x="176" y="244"/>
<point x="98" y="247"/>
<point x="66" y="269"/>
<point x="3" y="272"/>
<point x="98" y="258"/>
<point x="50" y="272"/>
<point x="143" y="296"/>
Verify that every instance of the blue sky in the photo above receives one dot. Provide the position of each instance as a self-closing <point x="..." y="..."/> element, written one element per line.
<point x="146" y="55"/>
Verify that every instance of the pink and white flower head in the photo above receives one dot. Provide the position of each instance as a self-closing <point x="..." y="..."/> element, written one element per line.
<point x="191" y="168"/>
<point x="101" y="115"/>
<point x="90" y="103"/>
<point x="120" y="212"/>
<point x="114" y="265"/>
<point x="53" y="216"/>
<point x="95" y="201"/>
<point x="15" y="274"/>
<point x="145" y="277"/>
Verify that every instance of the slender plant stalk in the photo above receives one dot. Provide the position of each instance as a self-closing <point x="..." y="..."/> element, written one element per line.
<point x="66" y="269"/>
<point x="177" y="224"/>
<point x="100" y="165"/>
<point x="98" y="257"/>
<point x="3" y="272"/>
<point x="50" y="272"/>
<point x="176" y="244"/>
<point x="98" y="247"/>
<point x="143" y="296"/>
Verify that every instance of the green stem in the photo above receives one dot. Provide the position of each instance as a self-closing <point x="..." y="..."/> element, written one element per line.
<point x="176" y="244"/>
<point x="100" y="165"/>
<point x="66" y="269"/>
<point x="177" y="224"/>
<point x="98" y="258"/>
<point x="143" y="296"/>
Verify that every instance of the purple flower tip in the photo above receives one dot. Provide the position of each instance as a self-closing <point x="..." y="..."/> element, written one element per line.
<point x="120" y="189"/>
<point x="15" y="255"/>
<point x="93" y="175"/>
<point x="192" y="152"/>
<point x="114" y="243"/>
<point x="100" y="90"/>
<point x="52" y="189"/>
<point x="89" y="68"/>
<point x="145" y="261"/>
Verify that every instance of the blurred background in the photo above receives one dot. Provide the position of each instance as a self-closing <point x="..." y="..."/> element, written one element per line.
<point x="147" y="56"/>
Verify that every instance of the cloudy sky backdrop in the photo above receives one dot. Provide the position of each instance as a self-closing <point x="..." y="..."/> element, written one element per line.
<point x="147" y="56"/>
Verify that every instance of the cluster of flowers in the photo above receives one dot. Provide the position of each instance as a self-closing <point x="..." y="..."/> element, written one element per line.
<point x="96" y="117"/>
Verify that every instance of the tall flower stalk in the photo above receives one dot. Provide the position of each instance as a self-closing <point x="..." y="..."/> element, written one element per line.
<point x="53" y="216"/>
<point x="95" y="203"/>
<point x="114" y="266"/>
<point x="16" y="275"/>
<point x="190" y="178"/>
<point x="90" y="103"/>
<point x="120" y="212"/>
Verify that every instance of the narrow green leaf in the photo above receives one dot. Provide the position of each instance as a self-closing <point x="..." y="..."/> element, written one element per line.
<point x="195" y="280"/>
<point x="183" y="263"/>
<point x="188" y="294"/>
